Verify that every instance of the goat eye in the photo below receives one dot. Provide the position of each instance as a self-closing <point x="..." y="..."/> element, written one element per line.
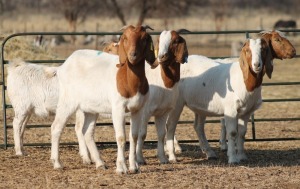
<point x="277" y="39"/>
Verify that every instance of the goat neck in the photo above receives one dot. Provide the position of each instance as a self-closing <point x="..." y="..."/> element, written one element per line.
<point x="131" y="80"/>
<point x="170" y="73"/>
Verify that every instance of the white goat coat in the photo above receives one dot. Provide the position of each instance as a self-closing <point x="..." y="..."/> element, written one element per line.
<point x="161" y="99"/>
<point x="95" y="73"/>
<point x="210" y="88"/>
<point x="160" y="102"/>
<point x="87" y="82"/>
<point x="221" y="88"/>
<point x="31" y="89"/>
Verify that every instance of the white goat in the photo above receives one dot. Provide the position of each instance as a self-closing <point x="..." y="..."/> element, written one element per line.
<point x="31" y="89"/>
<point x="230" y="90"/>
<point x="281" y="48"/>
<point x="89" y="81"/>
<point x="163" y="90"/>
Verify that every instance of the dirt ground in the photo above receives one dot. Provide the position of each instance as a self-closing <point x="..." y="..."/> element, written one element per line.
<point x="270" y="165"/>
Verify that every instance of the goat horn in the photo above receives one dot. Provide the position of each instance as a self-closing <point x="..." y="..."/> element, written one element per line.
<point x="124" y="27"/>
<point x="147" y="27"/>
<point x="183" y="31"/>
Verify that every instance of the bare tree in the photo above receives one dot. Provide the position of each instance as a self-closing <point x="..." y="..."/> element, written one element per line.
<point x="146" y="8"/>
<point x="118" y="11"/>
<point x="74" y="11"/>
<point x="220" y="11"/>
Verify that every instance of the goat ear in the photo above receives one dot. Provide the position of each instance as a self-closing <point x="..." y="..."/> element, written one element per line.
<point x="150" y="56"/>
<point x="269" y="63"/>
<point x="122" y="53"/>
<point x="243" y="63"/>
<point x="181" y="52"/>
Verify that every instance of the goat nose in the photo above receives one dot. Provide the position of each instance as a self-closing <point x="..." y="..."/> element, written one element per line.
<point x="294" y="52"/>
<point x="133" y="53"/>
<point x="162" y="56"/>
<point x="257" y="64"/>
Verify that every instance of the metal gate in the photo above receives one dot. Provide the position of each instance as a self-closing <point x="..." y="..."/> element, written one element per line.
<point x="253" y="120"/>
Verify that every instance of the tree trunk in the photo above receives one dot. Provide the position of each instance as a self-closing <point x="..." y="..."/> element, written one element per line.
<point x="119" y="12"/>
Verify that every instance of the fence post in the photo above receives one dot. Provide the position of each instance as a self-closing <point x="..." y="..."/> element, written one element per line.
<point x="253" y="127"/>
<point x="3" y="96"/>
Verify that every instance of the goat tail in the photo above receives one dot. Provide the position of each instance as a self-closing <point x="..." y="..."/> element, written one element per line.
<point x="16" y="62"/>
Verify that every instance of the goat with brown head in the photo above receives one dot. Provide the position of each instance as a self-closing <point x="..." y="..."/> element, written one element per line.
<point x="163" y="92"/>
<point x="255" y="61"/>
<point x="135" y="47"/>
<point x="171" y="51"/>
<point x="281" y="47"/>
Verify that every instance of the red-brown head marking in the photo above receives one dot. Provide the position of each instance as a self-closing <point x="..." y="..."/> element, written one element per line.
<point x="280" y="46"/>
<point x="136" y="45"/>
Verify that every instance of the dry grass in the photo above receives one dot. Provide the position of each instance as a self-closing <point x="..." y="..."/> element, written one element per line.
<point x="270" y="164"/>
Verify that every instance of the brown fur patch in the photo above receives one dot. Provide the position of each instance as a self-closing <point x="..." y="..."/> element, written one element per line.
<point x="112" y="48"/>
<point x="177" y="53"/>
<point x="281" y="47"/>
<point x="134" y="49"/>
<point x="253" y="80"/>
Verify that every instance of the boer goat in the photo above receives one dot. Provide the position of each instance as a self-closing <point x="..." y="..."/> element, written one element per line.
<point x="230" y="90"/>
<point x="111" y="48"/>
<point x="163" y="92"/>
<point x="89" y="81"/>
<point x="281" y="48"/>
<point x="32" y="89"/>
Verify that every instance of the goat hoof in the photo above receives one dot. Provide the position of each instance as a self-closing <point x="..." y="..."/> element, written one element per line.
<point x="21" y="153"/>
<point x="164" y="162"/>
<point x="58" y="167"/>
<point x="121" y="169"/>
<point x="212" y="158"/>
<point x="87" y="161"/>
<point x="142" y="163"/>
<point x="178" y="151"/>
<point x="103" y="167"/>
<point x="173" y="161"/>
<point x="242" y="157"/>
<point x="233" y="162"/>
<point x="133" y="171"/>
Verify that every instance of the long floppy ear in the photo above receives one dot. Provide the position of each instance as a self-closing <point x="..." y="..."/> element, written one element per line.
<point x="243" y="61"/>
<point x="156" y="50"/>
<point x="122" y="53"/>
<point x="181" y="52"/>
<point x="268" y="59"/>
<point x="150" y="56"/>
